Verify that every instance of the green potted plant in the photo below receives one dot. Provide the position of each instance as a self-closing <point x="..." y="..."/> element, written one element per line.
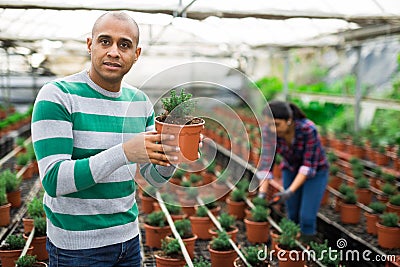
<point x="389" y="231"/>
<point x="257" y="226"/>
<point x="201" y="223"/>
<point x="156" y="229"/>
<point x="331" y="259"/>
<point x="388" y="190"/>
<point x="227" y="223"/>
<point x="349" y="212"/>
<point x="184" y="228"/>
<point x="178" y="120"/>
<point x="175" y="210"/>
<point x="170" y="254"/>
<point x="211" y="204"/>
<point x="393" y="205"/>
<point x="35" y="209"/>
<point x="364" y="195"/>
<point x="39" y="239"/>
<point x="236" y="203"/>
<point x="287" y="242"/>
<point x="221" y="250"/>
<point x="11" y="250"/>
<point x="200" y="262"/>
<point x="13" y="189"/>
<point x="29" y="261"/>
<point x="252" y="256"/>
<point x="372" y="218"/>
<point x="5" y="206"/>
<point x="334" y="180"/>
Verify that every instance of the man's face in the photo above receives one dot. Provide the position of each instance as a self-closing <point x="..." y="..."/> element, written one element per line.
<point x="113" y="50"/>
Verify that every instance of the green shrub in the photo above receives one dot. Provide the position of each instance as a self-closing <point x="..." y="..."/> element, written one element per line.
<point x="40" y="226"/>
<point x="227" y="221"/>
<point x="194" y="178"/>
<point x="344" y="188"/>
<point x="200" y="262"/>
<point x="289" y="233"/>
<point x="259" y="201"/>
<point x="238" y="195"/>
<point x="184" y="228"/>
<point x="221" y="242"/>
<point x="201" y="211"/>
<point x="22" y="159"/>
<point x="192" y="192"/>
<point x="362" y="182"/>
<point x="388" y="178"/>
<point x="19" y="141"/>
<point x="332" y="158"/>
<point x="333" y="169"/>
<point x="328" y="259"/>
<point x="26" y="261"/>
<point x="389" y="189"/>
<point x="390" y="219"/>
<point x="259" y="214"/>
<point x="178" y="105"/>
<point x="35" y="208"/>
<point x="11" y="181"/>
<point x="179" y="173"/>
<point x="14" y="242"/>
<point x="157" y="219"/>
<point x="377" y="207"/>
<point x="350" y="197"/>
<point x="3" y="194"/>
<point x="186" y="183"/>
<point x="395" y="200"/>
<point x="174" y="208"/>
<point x="170" y="247"/>
<point x="211" y="167"/>
<point x="243" y="185"/>
<point x="251" y="255"/>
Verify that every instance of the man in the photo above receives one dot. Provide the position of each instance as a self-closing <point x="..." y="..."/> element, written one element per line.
<point x="79" y="127"/>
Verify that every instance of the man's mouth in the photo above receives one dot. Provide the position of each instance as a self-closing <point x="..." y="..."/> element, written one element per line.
<point x="112" y="64"/>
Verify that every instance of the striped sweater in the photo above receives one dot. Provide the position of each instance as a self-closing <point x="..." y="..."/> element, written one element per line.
<point x="77" y="131"/>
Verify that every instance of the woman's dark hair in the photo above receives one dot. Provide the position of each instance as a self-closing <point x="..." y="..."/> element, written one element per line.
<point x="284" y="110"/>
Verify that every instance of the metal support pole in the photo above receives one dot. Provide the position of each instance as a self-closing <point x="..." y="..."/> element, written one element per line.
<point x="358" y="92"/>
<point x="285" y="76"/>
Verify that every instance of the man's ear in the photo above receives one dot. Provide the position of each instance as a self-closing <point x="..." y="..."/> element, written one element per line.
<point x="89" y="45"/>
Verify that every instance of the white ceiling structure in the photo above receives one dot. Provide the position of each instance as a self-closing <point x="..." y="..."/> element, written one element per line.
<point x="176" y="28"/>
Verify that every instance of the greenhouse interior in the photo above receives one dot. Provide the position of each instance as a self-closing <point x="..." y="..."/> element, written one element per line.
<point x="292" y="156"/>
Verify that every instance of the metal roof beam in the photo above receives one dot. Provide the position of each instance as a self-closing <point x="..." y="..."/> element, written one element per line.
<point x="200" y="14"/>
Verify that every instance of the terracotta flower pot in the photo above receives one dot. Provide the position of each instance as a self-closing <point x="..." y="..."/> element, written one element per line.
<point x="364" y="195"/>
<point x="169" y="262"/>
<point x="285" y="257"/>
<point x="274" y="234"/>
<point x="187" y="138"/>
<point x="28" y="225"/>
<point x="154" y="235"/>
<point x="388" y="237"/>
<point x="232" y="233"/>
<point x="8" y="257"/>
<point x="39" y="247"/>
<point x="222" y="258"/>
<point x="392" y="208"/>
<point x="200" y="226"/>
<point x="5" y="218"/>
<point x="371" y="220"/>
<point x="236" y="208"/>
<point x="146" y="204"/>
<point x="14" y="198"/>
<point x="257" y="232"/>
<point x="349" y="213"/>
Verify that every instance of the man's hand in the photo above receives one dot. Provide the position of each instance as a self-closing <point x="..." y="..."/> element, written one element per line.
<point x="147" y="147"/>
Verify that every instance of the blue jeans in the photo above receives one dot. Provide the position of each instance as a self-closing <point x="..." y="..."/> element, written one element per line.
<point x="303" y="205"/>
<point x="122" y="255"/>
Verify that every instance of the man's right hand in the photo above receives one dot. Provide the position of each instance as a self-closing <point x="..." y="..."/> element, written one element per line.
<point x="147" y="147"/>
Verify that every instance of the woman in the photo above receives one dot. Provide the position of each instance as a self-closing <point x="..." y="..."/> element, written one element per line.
<point x="305" y="168"/>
